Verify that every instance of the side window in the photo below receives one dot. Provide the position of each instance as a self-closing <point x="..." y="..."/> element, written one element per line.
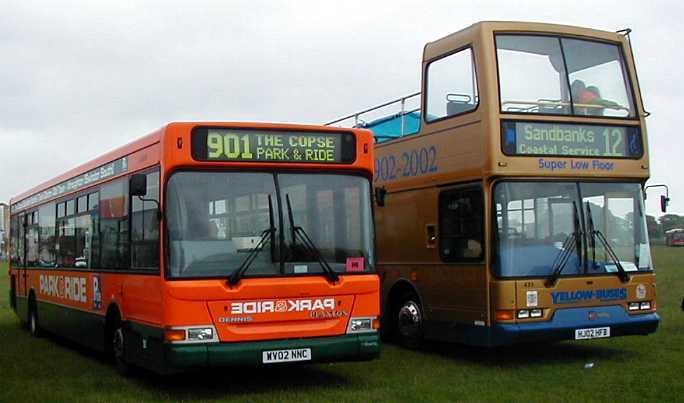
<point x="451" y="87"/>
<point x="461" y="225"/>
<point x="16" y="242"/>
<point x="32" y="246"/>
<point x="46" y="220"/>
<point x="66" y="234"/>
<point x="145" y="227"/>
<point x="86" y="232"/>
<point x="113" y="239"/>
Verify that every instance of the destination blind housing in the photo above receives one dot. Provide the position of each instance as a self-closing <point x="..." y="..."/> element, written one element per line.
<point x="248" y="145"/>
<point x="578" y="140"/>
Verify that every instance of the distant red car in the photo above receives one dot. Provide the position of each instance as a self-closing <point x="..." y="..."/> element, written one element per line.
<point x="674" y="237"/>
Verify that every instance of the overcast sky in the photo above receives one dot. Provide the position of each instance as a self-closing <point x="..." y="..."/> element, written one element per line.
<point x="78" y="78"/>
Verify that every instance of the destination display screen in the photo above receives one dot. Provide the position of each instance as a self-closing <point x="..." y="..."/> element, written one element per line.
<point x="248" y="145"/>
<point x="576" y="140"/>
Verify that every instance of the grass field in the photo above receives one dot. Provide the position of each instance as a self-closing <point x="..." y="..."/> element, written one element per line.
<point x="625" y="369"/>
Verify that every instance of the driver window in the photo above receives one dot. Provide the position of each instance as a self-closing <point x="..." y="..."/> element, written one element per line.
<point x="451" y="86"/>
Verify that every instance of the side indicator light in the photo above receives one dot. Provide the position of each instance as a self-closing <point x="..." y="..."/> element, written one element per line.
<point x="504" y="315"/>
<point x="171" y="335"/>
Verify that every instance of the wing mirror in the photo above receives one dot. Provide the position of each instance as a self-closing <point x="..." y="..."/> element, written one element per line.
<point x="138" y="185"/>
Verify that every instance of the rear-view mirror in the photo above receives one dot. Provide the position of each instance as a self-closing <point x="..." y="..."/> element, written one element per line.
<point x="664" y="201"/>
<point x="138" y="185"/>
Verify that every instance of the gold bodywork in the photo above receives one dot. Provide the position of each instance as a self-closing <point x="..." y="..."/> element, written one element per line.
<point x="470" y="152"/>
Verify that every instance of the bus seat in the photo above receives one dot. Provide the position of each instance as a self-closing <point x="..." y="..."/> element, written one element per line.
<point x="457" y="107"/>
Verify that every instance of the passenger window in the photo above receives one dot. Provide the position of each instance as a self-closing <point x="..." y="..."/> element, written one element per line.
<point x="461" y="223"/>
<point x="87" y="252"/>
<point x="93" y="201"/>
<point x="451" y="86"/>
<point x="46" y="219"/>
<point x="113" y="239"/>
<point x="145" y="227"/>
<point x="82" y="204"/>
<point x="32" y="246"/>
<point x="66" y="236"/>
<point x="16" y="245"/>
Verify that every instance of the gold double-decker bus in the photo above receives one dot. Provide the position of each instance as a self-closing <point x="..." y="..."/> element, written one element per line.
<point x="509" y="190"/>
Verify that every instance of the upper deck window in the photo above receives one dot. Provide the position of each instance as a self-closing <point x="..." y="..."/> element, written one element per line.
<point x="562" y="76"/>
<point x="451" y="86"/>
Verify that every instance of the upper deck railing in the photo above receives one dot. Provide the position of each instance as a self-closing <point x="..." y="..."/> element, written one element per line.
<point x="404" y="128"/>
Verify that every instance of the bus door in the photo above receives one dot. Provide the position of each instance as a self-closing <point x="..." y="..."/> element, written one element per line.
<point x="21" y="254"/>
<point x="458" y="291"/>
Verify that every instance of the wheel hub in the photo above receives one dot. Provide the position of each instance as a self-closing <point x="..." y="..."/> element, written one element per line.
<point x="118" y="343"/>
<point x="410" y="320"/>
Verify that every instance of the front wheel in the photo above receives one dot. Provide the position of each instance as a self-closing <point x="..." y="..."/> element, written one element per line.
<point x="118" y="348"/>
<point x="409" y="321"/>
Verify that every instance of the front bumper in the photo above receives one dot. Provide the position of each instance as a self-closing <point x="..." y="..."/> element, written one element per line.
<point x="565" y="321"/>
<point x="180" y="357"/>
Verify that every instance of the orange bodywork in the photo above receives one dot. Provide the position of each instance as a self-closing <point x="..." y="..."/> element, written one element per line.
<point x="153" y="300"/>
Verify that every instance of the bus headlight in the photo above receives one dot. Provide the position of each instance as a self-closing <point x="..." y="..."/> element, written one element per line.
<point x="362" y="325"/>
<point x="640" y="306"/>
<point x="200" y="334"/>
<point x="530" y="313"/>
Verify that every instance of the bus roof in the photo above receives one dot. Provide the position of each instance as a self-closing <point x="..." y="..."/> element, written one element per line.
<point x="156" y="137"/>
<point x="445" y="44"/>
<point x="120" y="152"/>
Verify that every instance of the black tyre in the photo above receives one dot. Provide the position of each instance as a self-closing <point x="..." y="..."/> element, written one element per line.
<point x="408" y="321"/>
<point x="117" y="346"/>
<point x="13" y="295"/>
<point x="33" y="323"/>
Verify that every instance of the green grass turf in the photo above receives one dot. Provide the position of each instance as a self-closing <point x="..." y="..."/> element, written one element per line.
<point x="633" y="368"/>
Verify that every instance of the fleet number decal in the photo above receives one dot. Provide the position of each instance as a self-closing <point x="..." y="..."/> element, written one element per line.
<point x="415" y="162"/>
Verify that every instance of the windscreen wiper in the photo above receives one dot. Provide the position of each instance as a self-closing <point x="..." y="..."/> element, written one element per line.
<point x="266" y="235"/>
<point x="592" y="237"/>
<point x="308" y="244"/>
<point x="573" y="241"/>
<point x="594" y="233"/>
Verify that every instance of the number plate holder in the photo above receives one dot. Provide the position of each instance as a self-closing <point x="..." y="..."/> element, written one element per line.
<point x="592" y="333"/>
<point x="290" y="355"/>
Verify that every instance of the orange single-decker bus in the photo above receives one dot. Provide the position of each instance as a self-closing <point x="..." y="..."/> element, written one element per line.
<point x="204" y="245"/>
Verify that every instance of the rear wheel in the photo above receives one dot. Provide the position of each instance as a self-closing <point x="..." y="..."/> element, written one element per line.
<point x="408" y="319"/>
<point x="33" y="324"/>
<point x="13" y="294"/>
<point x="116" y="339"/>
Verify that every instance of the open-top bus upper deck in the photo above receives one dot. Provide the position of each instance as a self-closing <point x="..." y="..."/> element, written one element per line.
<point x="513" y="90"/>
